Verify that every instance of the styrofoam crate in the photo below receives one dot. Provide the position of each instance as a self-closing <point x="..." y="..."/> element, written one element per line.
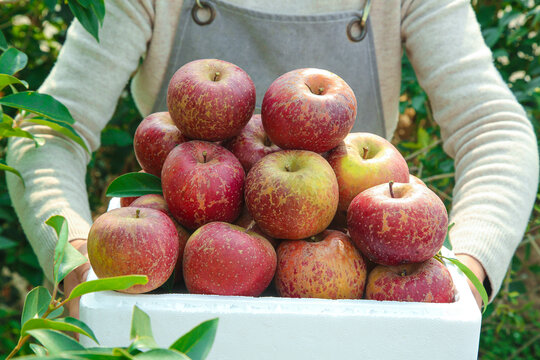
<point x="283" y="328"/>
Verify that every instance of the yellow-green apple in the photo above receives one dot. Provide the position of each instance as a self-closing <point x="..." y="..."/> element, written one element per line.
<point x="154" y="138"/>
<point x="414" y="179"/>
<point x="429" y="281"/>
<point x="225" y="259"/>
<point x="364" y="160"/>
<point x="326" y="265"/>
<point x="252" y="144"/>
<point x="133" y="240"/>
<point x="394" y="224"/>
<point x="157" y="202"/>
<point x="210" y="99"/>
<point x="308" y="109"/>
<point x="202" y="182"/>
<point x="292" y="194"/>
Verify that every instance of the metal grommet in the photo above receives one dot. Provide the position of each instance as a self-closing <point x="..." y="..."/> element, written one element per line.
<point x="361" y="25"/>
<point x="203" y="5"/>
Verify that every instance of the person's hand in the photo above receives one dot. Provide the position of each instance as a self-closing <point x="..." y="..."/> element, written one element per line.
<point x="76" y="277"/>
<point x="478" y="270"/>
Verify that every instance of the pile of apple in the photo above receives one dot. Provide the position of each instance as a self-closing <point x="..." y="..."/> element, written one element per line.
<point x="287" y="196"/>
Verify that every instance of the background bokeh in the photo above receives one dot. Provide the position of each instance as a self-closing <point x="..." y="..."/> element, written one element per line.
<point x="511" y="324"/>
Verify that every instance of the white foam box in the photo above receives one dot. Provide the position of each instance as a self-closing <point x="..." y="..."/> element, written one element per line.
<point x="282" y="328"/>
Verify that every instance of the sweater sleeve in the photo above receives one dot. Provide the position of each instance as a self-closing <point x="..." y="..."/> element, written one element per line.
<point x="88" y="79"/>
<point x="483" y="128"/>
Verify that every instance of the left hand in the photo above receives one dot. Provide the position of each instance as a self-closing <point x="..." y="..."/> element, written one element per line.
<point x="478" y="270"/>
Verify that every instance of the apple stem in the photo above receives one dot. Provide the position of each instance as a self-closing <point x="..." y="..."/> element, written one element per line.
<point x="204" y="156"/>
<point x="267" y="141"/>
<point x="216" y="76"/>
<point x="287" y="167"/>
<point x="391" y="190"/>
<point x="251" y="225"/>
<point x="364" y="155"/>
<point x="137" y="213"/>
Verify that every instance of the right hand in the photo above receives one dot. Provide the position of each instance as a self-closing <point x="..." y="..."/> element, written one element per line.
<point x="76" y="277"/>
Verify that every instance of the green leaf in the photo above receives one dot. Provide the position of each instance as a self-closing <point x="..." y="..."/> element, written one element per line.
<point x="112" y="283"/>
<point x="198" y="342"/>
<point x="96" y="355"/>
<point x="41" y="104"/>
<point x="86" y="17"/>
<point x="38" y="350"/>
<point x="98" y="6"/>
<point x="6" y="243"/>
<point x="6" y="80"/>
<point x="60" y="225"/>
<point x="84" y="3"/>
<point x="134" y="184"/>
<point x="447" y="244"/>
<point x="56" y="313"/>
<point x="3" y="42"/>
<point x="162" y="354"/>
<point x="55" y="342"/>
<point x="36" y="303"/>
<point x="477" y="284"/>
<point x="6" y="119"/>
<point x="51" y="4"/>
<point x="11" y="170"/>
<point x="9" y="131"/>
<point x="66" y="324"/>
<point x="12" y="60"/>
<point x="141" y="331"/>
<point x="61" y="127"/>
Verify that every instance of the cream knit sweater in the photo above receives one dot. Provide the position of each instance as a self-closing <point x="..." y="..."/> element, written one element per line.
<point x="483" y="127"/>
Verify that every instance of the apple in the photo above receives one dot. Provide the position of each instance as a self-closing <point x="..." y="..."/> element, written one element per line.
<point x="132" y="240"/>
<point x="308" y="109"/>
<point x="414" y="179"/>
<point x="202" y="182"/>
<point x="364" y="160"/>
<point x="292" y="194"/>
<point x="210" y="99"/>
<point x="429" y="281"/>
<point x="157" y="202"/>
<point x="226" y="259"/>
<point x="154" y="138"/>
<point x="252" y="144"/>
<point x="395" y="224"/>
<point x="326" y="265"/>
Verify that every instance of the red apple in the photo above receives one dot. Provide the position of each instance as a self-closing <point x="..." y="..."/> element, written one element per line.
<point x="157" y="202"/>
<point x="429" y="281"/>
<point x="134" y="240"/>
<point x="292" y="194"/>
<point x="210" y="99"/>
<point x="326" y="266"/>
<point x="308" y="109"/>
<point x="397" y="224"/>
<point x="225" y="259"/>
<point x="414" y="179"/>
<point x="154" y="138"/>
<point x="202" y="182"/>
<point x="364" y="160"/>
<point x="252" y="144"/>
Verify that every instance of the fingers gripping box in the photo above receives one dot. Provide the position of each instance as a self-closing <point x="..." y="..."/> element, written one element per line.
<point x="284" y="328"/>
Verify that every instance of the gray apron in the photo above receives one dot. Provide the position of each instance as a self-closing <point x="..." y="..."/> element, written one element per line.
<point x="267" y="45"/>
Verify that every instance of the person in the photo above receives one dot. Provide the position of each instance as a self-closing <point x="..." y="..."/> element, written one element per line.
<point x="483" y="127"/>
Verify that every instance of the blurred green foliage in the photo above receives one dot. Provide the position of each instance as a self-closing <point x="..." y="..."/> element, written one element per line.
<point x="511" y="325"/>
